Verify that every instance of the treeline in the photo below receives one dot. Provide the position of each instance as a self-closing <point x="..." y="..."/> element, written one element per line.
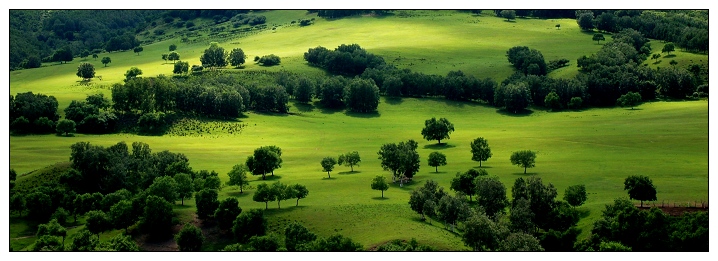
<point x="346" y="12"/>
<point x="38" y="34"/>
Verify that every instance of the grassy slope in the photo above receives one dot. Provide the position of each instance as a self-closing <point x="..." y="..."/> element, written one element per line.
<point x="596" y="147"/>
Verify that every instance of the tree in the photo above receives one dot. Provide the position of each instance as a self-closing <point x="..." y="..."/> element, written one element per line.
<point x="480" y="150"/>
<point x="524" y="158"/>
<point x="575" y="195"/>
<point x="190" y="238"/>
<point x="106" y="60"/>
<point x="264" y="194"/>
<point x="514" y="97"/>
<point x="97" y="222"/>
<point x="214" y="56"/>
<point x="164" y="187"/>
<point x="328" y="165"/>
<point x="269" y="60"/>
<point x="248" y="224"/>
<point x="181" y="67"/>
<point x="402" y="159"/>
<point x="184" y="186"/>
<point x="138" y="49"/>
<point x="437" y="129"/>
<point x="238" y="177"/>
<point x="236" y="57"/>
<point x="552" y="101"/>
<point x="437" y="159"/>
<point x="335" y="243"/>
<point x="65" y="126"/>
<point x="173" y="47"/>
<point x="305" y="89"/>
<point x="265" y="159"/>
<point x="300" y="192"/>
<point x="379" y="183"/>
<point x="173" y="56"/>
<point x="668" y="48"/>
<point x="83" y="241"/>
<point x="584" y="18"/>
<point x="466" y="182"/>
<point x="122" y="214"/>
<point x="598" y="38"/>
<point x="491" y="195"/>
<point x="281" y="192"/>
<point x="165" y="57"/>
<point x="227" y="212"/>
<point x="52" y="228"/>
<point x="349" y="159"/>
<point x="38" y="205"/>
<point x="157" y="218"/>
<point x="295" y="234"/>
<point x="452" y="209"/>
<point x="508" y="14"/>
<point x="86" y="71"/>
<point x="480" y="233"/>
<point x="133" y="72"/>
<point x="640" y="188"/>
<point x="362" y="95"/>
<point x="520" y="242"/>
<point x="521" y="217"/>
<point x="207" y="203"/>
<point x="631" y="99"/>
<point x="94" y="56"/>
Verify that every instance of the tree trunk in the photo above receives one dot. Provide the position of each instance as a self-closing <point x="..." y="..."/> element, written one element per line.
<point x="382" y="194"/>
<point x="439" y="141"/>
<point x="266" y="204"/>
<point x="330" y="176"/>
<point x="240" y="189"/>
<point x="278" y="205"/>
<point x="182" y="201"/>
<point x="470" y="200"/>
<point x="352" y="166"/>
<point x="524" y="170"/>
<point x="264" y="176"/>
<point x="479" y="164"/>
<point x="641" y="203"/>
<point x="437" y="169"/>
<point x="297" y="202"/>
<point x="272" y="173"/>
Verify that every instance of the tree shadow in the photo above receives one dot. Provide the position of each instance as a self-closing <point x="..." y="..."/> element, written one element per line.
<point x="439" y="172"/>
<point x="380" y="198"/>
<point x="303" y="107"/>
<point x="326" y="178"/>
<point x="238" y="194"/>
<point x="366" y="115"/>
<point x="63" y="135"/>
<point x="328" y="110"/>
<point x="285" y="208"/>
<point x="438" y="146"/>
<point x="633" y="109"/>
<point x="527" y="174"/>
<point x="658" y="61"/>
<point x="669" y="56"/>
<point x="394" y="100"/>
<point x="509" y="21"/>
<point x="522" y="113"/>
<point x="584" y="213"/>
<point x="268" y="113"/>
<point x="482" y="167"/>
<point x="269" y="177"/>
<point x="349" y="172"/>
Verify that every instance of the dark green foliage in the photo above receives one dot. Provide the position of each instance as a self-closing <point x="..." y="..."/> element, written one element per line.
<point x="164" y="187"/>
<point x="86" y="71"/>
<point x="227" y="212"/>
<point x="180" y="67"/>
<point x="528" y="61"/>
<point x="690" y="232"/>
<point x="598" y="38"/>
<point x="39" y="206"/>
<point x="281" y="192"/>
<point x="437" y="159"/>
<point x="238" y="177"/>
<point x="249" y="223"/>
<point x="157" y="218"/>
<point x="362" y="95"/>
<point x="300" y="192"/>
<point x="133" y="72"/>
<point x="48" y="243"/>
<point x="60" y="215"/>
<point x="481" y="233"/>
<point x="206" y="202"/>
<point x="84" y="241"/>
<point x="491" y="195"/>
<point x="122" y="214"/>
<point x="305" y="89"/>
<point x="268" y="243"/>
<point x="668" y="48"/>
<point x="513" y="97"/>
<point x="236" y="57"/>
<point x="613" y="246"/>
<point x="189" y="239"/>
<point x="562" y="216"/>
<point x="480" y="150"/>
<point x="675" y="82"/>
<point x="552" y="101"/>
<point x="403" y="246"/>
<point x="452" y="209"/>
<point x="43" y="125"/>
<point x="138" y="50"/>
<point x="508" y="14"/>
<point x="295" y="234"/>
<point x="173" y="56"/>
<point x="575" y="195"/>
<point x="349" y="159"/>
<point x="437" y="129"/>
<point x="172" y="47"/>
<point x="62" y="55"/>
<point x="524" y="158"/>
<point x="264" y="194"/>
<point x="466" y="182"/>
<point x="575" y="103"/>
<point x="17" y="202"/>
<point x="630" y="99"/>
<point x="348" y="60"/>
<point x="559" y="241"/>
<point x="640" y="188"/>
<point x="269" y="60"/>
<point x="521" y="216"/>
<point x="121" y="243"/>
<point x="265" y="159"/>
<point x="184" y="186"/>
<point x="379" y="183"/>
<point x="335" y="243"/>
<point x="27" y="108"/>
<point x="328" y="165"/>
<point x="402" y="159"/>
<point x="214" y="56"/>
<point x="392" y="85"/>
<point x="97" y="222"/>
<point x="584" y="18"/>
<point x="65" y="127"/>
<point x="520" y="242"/>
<point x="106" y="60"/>
<point x="52" y="228"/>
<point x="423" y="200"/>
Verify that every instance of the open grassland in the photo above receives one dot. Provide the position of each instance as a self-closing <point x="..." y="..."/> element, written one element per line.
<point x="667" y="141"/>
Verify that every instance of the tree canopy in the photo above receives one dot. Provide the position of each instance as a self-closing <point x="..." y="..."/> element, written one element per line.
<point x="640" y="187"/>
<point x="524" y="158"/>
<point x="437" y="129"/>
<point x="480" y="150"/>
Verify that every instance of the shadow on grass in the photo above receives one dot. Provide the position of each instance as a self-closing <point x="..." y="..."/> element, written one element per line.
<point x="669" y="56"/>
<point x="380" y="198"/>
<point x="348" y="172"/>
<point x="522" y="113"/>
<point x="270" y="178"/>
<point x="328" y="110"/>
<point x="482" y="167"/>
<point x="527" y="174"/>
<point x="438" y="146"/>
<point x="268" y="113"/>
<point x="287" y="206"/>
<point x="584" y="213"/>
<point x="373" y="114"/>
<point x="303" y="107"/>
<point x="440" y="172"/>
<point x="394" y="100"/>
<point x="634" y="109"/>
<point x="178" y="205"/>
<point x="238" y="194"/>
<point x="657" y="62"/>
<point x="326" y="178"/>
<point x="63" y="135"/>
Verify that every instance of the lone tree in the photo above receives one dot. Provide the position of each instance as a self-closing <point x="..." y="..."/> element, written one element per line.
<point x="173" y="56"/>
<point x="480" y="150"/>
<point x="265" y="159"/>
<point x="238" y="177"/>
<point x="236" y="57"/>
<point x="165" y="57"/>
<point x="214" y="56"/>
<point x="133" y="72"/>
<point x="65" y="126"/>
<point x="173" y="47"/>
<point x="138" y="50"/>
<point x="508" y="14"/>
<point x="631" y="99"/>
<point x="300" y="192"/>
<point x="106" y="60"/>
<point x="437" y="129"/>
<point x="524" y="158"/>
<point x="668" y="48"/>
<point x="575" y="195"/>
<point x="598" y="38"/>
<point x="328" y="165"/>
<point x="640" y="188"/>
<point x="86" y="71"/>
<point x="437" y="159"/>
<point x="379" y="183"/>
<point x="349" y="159"/>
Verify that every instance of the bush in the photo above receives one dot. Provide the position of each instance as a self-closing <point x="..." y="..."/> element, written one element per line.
<point x="269" y="60"/>
<point x="43" y="125"/>
<point x="575" y="103"/>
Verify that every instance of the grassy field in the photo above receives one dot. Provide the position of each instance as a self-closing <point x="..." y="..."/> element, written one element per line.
<point x="667" y="141"/>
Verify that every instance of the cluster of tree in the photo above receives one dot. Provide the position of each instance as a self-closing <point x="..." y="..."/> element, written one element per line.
<point x="217" y="14"/>
<point x="250" y="19"/>
<point x="278" y="191"/>
<point x="687" y="28"/>
<point x="543" y="13"/>
<point x="528" y="61"/>
<point x="347" y="60"/>
<point x="537" y="221"/>
<point x="264" y="160"/>
<point x="348" y="159"/>
<point x="92" y="115"/>
<point x="334" y="13"/>
<point x="401" y="159"/>
<point x="268" y="60"/>
<point x="38" y="34"/>
<point x="51" y="237"/>
<point x="296" y="238"/>
<point x="33" y="113"/>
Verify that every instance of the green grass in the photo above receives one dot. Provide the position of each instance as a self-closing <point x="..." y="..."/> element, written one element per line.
<point x="667" y="141"/>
